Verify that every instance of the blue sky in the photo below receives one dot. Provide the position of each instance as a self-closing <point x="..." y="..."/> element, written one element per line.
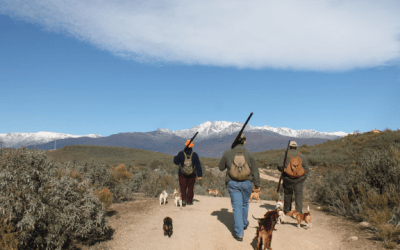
<point x="90" y="67"/>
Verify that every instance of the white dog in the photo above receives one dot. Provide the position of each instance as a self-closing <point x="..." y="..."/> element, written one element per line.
<point x="163" y="196"/>
<point x="177" y="197"/>
<point x="279" y="208"/>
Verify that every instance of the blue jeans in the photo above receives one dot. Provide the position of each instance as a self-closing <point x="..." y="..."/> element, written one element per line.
<point x="240" y="192"/>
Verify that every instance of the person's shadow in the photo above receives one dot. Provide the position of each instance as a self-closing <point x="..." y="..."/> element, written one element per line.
<point x="225" y="218"/>
<point x="269" y="207"/>
<point x="254" y="242"/>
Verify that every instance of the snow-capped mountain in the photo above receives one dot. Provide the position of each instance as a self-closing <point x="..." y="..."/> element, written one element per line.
<point x="208" y="130"/>
<point x="27" y="139"/>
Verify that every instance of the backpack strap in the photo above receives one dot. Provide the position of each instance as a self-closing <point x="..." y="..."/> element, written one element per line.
<point x="290" y="155"/>
<point x="190" y="156"/>
<point x="298" y="154"/>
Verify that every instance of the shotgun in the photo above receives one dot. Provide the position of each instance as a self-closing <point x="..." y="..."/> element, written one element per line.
<point x="187" y="146"/>
<point x="236" y="141"/>
<point x="284" y="165"/>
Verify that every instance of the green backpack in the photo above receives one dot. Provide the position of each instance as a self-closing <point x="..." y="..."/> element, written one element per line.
<point x="187" y="168"/>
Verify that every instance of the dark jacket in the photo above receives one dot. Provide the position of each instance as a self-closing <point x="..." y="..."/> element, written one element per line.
<point x="294" y="153"/>
<point x="179" y="159"/>
<point x="227" y="161"/>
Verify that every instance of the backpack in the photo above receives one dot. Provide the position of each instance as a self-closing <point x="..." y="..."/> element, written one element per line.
<point x="295" y="168"/>
<point x="187" y="168"/>
<point x="240" y="170"/>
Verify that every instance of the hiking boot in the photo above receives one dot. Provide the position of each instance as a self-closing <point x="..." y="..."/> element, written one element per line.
<point x="245" y="227"/>
<point x="190" y="203"/>
<point x="238" y="238"/>
<point x="183" y="203"/>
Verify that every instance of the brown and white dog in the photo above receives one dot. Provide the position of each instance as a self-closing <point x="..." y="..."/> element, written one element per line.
<point x="292" y="213"/>
<point x="279" y="208"/>
<point x="163" y="196"/>
<point x="178" y="198"/>
<point x="215" y="192"/>
<point x="300" y="217"/>
<point x="265" y="228"/>
<point x="255" y="194"/>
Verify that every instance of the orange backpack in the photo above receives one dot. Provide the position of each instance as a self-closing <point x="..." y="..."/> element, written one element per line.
<point x="295" y="168"/>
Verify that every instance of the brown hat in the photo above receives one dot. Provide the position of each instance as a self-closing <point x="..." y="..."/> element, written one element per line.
<point x="242" y="139"/>
<point x="187" y="142"/>
<point x="293" y="144"/>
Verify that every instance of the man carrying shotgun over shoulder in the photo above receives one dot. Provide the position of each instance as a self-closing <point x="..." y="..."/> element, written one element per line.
<point x="189" y="166"/>
<point x="294" y="172"/>
<point x="241" y="174"/>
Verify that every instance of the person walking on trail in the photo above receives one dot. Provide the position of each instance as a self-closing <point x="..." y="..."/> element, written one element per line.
<point x="189" y="166"/>
<point x="292" y="183"/>
<point x="240" y="183"/>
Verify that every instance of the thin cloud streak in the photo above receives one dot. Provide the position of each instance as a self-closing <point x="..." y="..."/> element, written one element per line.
<point x="293" y="34"/>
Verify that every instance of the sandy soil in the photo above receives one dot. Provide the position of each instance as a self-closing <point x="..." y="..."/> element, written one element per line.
<point x="266" y="175"/>
<point x="208" y="224"/>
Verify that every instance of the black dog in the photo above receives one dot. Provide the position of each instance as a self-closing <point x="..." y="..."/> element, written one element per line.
<point x="167" y="226"/>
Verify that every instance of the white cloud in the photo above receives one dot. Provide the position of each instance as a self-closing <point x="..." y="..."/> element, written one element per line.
<point x="286" y="34"/>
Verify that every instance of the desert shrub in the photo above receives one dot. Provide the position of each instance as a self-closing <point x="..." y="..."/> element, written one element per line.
<point x="104" y="196"/>
<point x="154" y="164"/>
<point x="120" y="174"/>
<point x="381" y="168"/>
<point x="304" y="151"/>
<point x="389" y="234"/>
<point x="8" y="236"/>
<point x="211" y="180"/>
<point x="154" y="182"/>
<point x="47" y="209"/>
<point x="137" y="180"/>
<point x="98" y="173"/>
<point x="368" y="191"/>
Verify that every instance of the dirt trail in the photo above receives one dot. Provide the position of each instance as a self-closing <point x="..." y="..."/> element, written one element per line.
<point x="208" y="224"/>
<point x="265" y="176"/>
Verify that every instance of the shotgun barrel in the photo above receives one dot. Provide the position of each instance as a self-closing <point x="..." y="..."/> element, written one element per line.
<point x="187" y="146"/>
<point x="236" y="141"/>
<point x="284" y="165"/>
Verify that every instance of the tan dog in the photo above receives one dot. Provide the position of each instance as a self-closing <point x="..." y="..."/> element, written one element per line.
<point x="300" y="217"/>
<point x="215" y="192"/>
<point x="265" y="228"/>
<point x="292" y="213"/>
<point x="255" y="194"/>
<point x="178" y="198"/>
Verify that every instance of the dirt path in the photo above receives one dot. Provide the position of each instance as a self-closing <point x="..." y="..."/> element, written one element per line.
<point x="208" y="224"/>
<point x="265" y="176"/>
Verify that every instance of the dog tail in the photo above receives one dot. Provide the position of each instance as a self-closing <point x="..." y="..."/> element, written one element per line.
<point x="256" y="218"/>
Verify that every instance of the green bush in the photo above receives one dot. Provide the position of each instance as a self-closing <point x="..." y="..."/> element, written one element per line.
<point x="47" y="209"/>
<point x="361" y="191"/>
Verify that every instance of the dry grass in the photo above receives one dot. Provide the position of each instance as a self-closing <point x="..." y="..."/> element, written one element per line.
<point x="104" y="196"/>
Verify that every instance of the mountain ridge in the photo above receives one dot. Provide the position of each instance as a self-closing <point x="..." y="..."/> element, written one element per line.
<point x="207" y="130"/>
<point x="212" y="140"/>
